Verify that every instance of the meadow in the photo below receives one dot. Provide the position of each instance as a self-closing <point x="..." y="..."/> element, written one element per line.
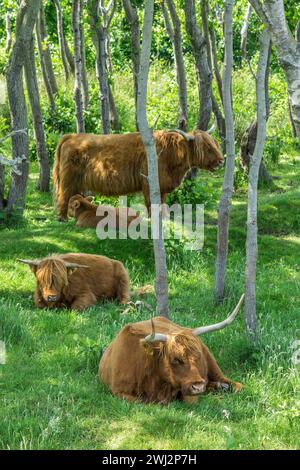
<point x="49" y="390"/>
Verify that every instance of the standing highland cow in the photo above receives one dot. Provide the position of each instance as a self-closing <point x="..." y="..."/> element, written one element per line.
<point x="116" y="164"/>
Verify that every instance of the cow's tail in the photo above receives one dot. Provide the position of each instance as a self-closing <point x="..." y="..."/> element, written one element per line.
<point x="56" y="166"/>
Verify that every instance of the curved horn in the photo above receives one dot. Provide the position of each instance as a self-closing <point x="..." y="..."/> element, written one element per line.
<point x="219" y="326"/>
<point x="213" y="128"/>
<point x="74" y="265"/>
<point x="33" y="262"/>
<point x="187" y="136"/>
<point x="155" y="336"/>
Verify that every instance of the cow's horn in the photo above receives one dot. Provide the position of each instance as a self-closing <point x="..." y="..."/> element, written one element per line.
<point x="33" y="262"/>
<point x="213" y="127"/>
<point x="155" y="336"/>
<point x="219" y="326"/>
<point x="75" y="265"/>
<point x="187" y="136"/>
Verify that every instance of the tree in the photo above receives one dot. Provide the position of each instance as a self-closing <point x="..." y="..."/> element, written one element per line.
<point x="272" y="14"/>
<point x="255" y="161"/>
<point x="46" y="53"/>
<point x="39" y="133"/>
<point x="161" y="287"/>
<point x="85" y="83"/>
<point x="98" y="37"/>
<point x="8" y="32"/>
<point x="62" y="39"/>
<point x="227" y="187"/>
<point x="76" y="10"/>
<point x="45" y="71"/>
<point x="133" y="20"/>
<point x="25" y="21"/>
<point x="173" y="28"/>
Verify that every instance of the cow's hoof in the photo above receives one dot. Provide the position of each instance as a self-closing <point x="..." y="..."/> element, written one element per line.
<point x="224" y="386"/>
<point x="237" y="387"/>
<point x="62" y="219"/>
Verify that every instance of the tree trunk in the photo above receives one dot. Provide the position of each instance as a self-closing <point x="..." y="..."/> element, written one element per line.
<point x="46" y="50"/>
<point x="153" y="178"/>
<point x="70" y="57"/>
<point x="98" y="37"/>
<point x="85" y="83"/>
<point x="26" y="19"/>
<point x="8" y="33"/>
<point x="174" y="32"/>
<point x="227" y="187"/>
<point x="2" y="186"/>
<point x="78" y="66"/>
<point x="288" y="49"/>
<point x="61" y="39"/>
<point x="251" y="243"/>
<point x="244" y="31"/>
<point x="44" y="69"/>
<point x="204" y="75"/>
<point x="114" y="116"/>
<point x="34" y="98"/>
<point x="133" y="20"/>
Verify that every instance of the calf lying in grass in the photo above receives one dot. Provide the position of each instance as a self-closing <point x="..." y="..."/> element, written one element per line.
<point x="77" y="280"/>
<point x="85" y="213"/>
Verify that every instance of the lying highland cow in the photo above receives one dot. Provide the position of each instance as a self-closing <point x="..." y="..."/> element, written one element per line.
<point x="167" y="365"/>
<point x="84" y="211"/>
<point x="116" y="164"/>
<point x="78" y="280"/>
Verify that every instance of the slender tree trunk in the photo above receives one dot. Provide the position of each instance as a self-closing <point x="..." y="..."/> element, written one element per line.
<point x="85" y="82"/>
<point x="204" y="75"/>
<point x="114" y="115"/>
<point x="46" y="50"/>
<point x="272" y="13"/>
<point x="174" y="32"/>
<point x="61" y="39"/>
<point x="46" y="78"/>
<point x="133" y="20"/>
<point x="2" y="186"/>
<point x="227" y="187"/>
<point x="78" y="66"/>
<point x="244" y="31"/>
<point x="34" y="98"/>
<point x="98" y="37"/>
<point x="251" y="244"/>
<point x="153" y="178"/>
<point x="8" y="33"/>
<point x="70" y="57"/>
<point x="216" y="70"/>
<point x="26" y="19"/>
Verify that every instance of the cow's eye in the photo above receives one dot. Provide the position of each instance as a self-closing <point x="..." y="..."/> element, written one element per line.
<point x="176" y="362"/>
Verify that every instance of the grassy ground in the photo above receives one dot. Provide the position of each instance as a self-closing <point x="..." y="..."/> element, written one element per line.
<point x="49" y="390"/>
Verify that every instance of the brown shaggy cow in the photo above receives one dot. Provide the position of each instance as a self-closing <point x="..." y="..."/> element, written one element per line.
<point x="85" y="211"/>
<point x="116" y="164"/>
<point x="160" y="367"/>
<point x="78" y="280"/>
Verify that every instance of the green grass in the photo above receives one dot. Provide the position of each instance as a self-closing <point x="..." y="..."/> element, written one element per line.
<point x="49" y="390"/>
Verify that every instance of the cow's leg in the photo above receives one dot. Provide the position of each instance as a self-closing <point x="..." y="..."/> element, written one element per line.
<point x="64" y="192"/>
<point x="126" y="396"/>
<point x="216" y="378"/>
<point x="123" y="289"/>
<point x="84" y="301"/>
<point x="38" y="300"/>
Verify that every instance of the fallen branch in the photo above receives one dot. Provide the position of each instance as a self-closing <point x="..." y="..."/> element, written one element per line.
<point x="19" y="131"/>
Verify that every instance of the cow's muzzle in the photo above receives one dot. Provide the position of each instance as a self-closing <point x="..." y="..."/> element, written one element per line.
<point x="52" y="298"/>
<point x="197" y="388"/>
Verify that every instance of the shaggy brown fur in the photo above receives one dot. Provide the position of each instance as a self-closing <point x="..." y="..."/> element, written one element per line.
<point x="159" y="372"/>
<point x="116" y="164"/>
<point x="98" y="277"/>
<point x="84" y="212"/>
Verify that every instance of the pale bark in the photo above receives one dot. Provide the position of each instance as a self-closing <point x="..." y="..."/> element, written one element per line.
<point x="133" y="20"/>
<point x="85" y="82"/>
<point x="244" y="31"/>
<point x="272" y="13"/>
<point x="2" y="186"/>
<point x="161" y="286"/>
<point x="39" y="133"/>
<point x="98" y="37"/>
<point x="78" y="98"/>
<point x="204" y="75"/>
<point x="8" y="33"/>
<point x="61" y="39"/>
<point x="46" y="50"/>
<point x="174" y="31"/>
<point x="227" y="187"/>
<point x="45" y="75"/>
<point x="26" y="19"/>
<point x="251" y="243"/>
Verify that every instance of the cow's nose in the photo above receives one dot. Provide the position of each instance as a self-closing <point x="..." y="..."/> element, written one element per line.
<point x="52" y="298"/>
<point x="198" y="387"/>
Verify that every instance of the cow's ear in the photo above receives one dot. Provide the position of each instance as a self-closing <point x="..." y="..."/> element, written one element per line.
<point x="71" y="271"/>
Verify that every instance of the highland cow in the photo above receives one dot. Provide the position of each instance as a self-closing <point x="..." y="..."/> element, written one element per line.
<point x="85" y="213"/>
<point x="158" y="367"/>
<point x="78" y="281"/>
<point x="116" y="164"/>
